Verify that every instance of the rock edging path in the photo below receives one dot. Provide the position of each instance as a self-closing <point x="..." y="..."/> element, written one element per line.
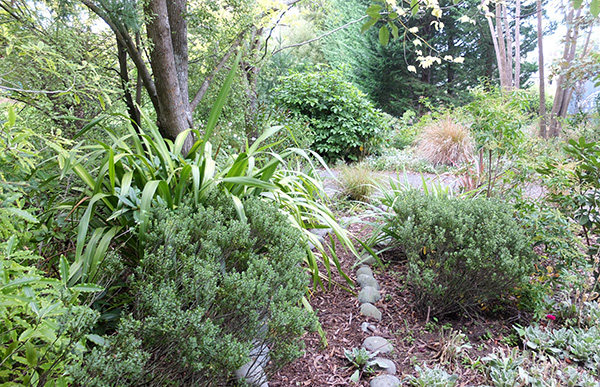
<point x="368" y="295"/>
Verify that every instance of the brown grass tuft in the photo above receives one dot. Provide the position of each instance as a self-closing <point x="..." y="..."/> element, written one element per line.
<point x="446" y="142"/>
<point x="356" y="182"/>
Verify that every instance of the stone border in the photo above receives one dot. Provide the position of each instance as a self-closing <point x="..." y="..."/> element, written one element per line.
<point x="368" y="296"/>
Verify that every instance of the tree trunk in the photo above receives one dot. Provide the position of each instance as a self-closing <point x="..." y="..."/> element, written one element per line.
<point x="561" y="98"/>
<point x="517" y="79"/>
<point x="542" y="80"/>
<point x="172" y="115"/>
<point x="132" y="108"/>
<point x="509" y="47"/>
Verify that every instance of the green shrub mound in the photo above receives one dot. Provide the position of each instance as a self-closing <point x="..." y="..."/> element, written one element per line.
<point x="209" y="289"/>
<point x="461" y="254"/>
<point x="344" y="123"/>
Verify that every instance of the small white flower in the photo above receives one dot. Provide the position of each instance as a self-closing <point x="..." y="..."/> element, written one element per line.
<point x="412" y="69"/>
<point x="448" y="57"/>
<point x="417" y="42"/>
<point x="459" y="59"/>
<point x="414" y="30"/>
<point x="419" y="52"/>
<point x="464" y="19"/>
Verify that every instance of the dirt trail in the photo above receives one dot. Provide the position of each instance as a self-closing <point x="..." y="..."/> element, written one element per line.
<point x="415" y="180"/>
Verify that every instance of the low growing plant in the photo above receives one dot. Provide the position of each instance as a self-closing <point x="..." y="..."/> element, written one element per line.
<point x="431" y="377"/>
<point x="356" y="182"/>
<point x="446" y="141"/>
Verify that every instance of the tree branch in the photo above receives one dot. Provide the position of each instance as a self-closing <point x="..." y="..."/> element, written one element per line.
<point x="204" y="87"/>
<point x="49" y="92"/>
<point x="132" y="50"/>
<point x="321" y="36"/>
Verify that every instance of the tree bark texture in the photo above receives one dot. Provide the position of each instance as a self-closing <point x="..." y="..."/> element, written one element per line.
<point x="562" y="97"/>
<point x="517" y="79"/>
<point x="542" y="80"/>
<point x="172" y="115"/>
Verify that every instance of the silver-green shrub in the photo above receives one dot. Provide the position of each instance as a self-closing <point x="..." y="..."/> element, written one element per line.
<point x="462" y="253"/>
<point x="209" y="289"/>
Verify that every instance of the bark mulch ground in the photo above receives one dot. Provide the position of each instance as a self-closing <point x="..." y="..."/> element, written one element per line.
<point x="417" y="339"/>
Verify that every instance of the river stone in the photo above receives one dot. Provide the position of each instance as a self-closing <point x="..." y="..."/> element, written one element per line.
<point x="253" y="374"/>
<point x="348" y="220"/>
<point x="367" y="258"/>
<point x="369" y="294"/>
<point x="365" y="280"/>
<point x="260" y="353"/>
<point x="366" y="327"/>
<point x="370" y="310"/>
<point x="364" y="270"/>
<point x="385" y="381"/>
<point x="385" y="365"/>
<point x="377" y="343"/>
<point x="321" y="232"/>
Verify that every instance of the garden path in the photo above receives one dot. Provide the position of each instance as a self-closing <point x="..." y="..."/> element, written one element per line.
<point x="413" y="179"/>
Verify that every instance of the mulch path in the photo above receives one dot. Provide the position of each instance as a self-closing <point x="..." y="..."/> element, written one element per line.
<point x="417" y="340"/>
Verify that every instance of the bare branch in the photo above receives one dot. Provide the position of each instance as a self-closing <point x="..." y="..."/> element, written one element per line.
<point x="132" y="50"/>
<point x="204" y="87"/>
<point x="49" y="92"/>
<point x="321" y="36"/>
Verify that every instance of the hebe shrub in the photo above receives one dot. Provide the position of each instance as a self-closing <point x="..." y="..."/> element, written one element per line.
<point x="462" y="253"/>
<point x="209" y="289"/>
<point x="344" y="123"/>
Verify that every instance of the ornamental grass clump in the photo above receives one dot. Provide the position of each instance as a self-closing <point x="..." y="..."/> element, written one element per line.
<point x="462" y="253"/>
<point x="446" y="141"/>
<point x="356" y="182"/>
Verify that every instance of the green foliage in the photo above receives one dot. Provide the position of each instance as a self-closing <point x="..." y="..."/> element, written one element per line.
<point x="56" y="65"/>
<point x="126" y="179"/>
<point x="399" y="161"/>
<point x="576" y="190"/>
<point x="432" y="377"/>
<point x="498" y="119"/>
<point x="504" y="370"/>
<point x="343" y="122"/>
<point x="401" y="131"/>
<point x="209" y="288"/>
<point x="295" y="132"/>
<point x="461" y="253"/>
<point x="553" y="231"/>
<point x="363" y="360"/>
<point x="44" y="324"/>
<point x="581" y="344"/>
